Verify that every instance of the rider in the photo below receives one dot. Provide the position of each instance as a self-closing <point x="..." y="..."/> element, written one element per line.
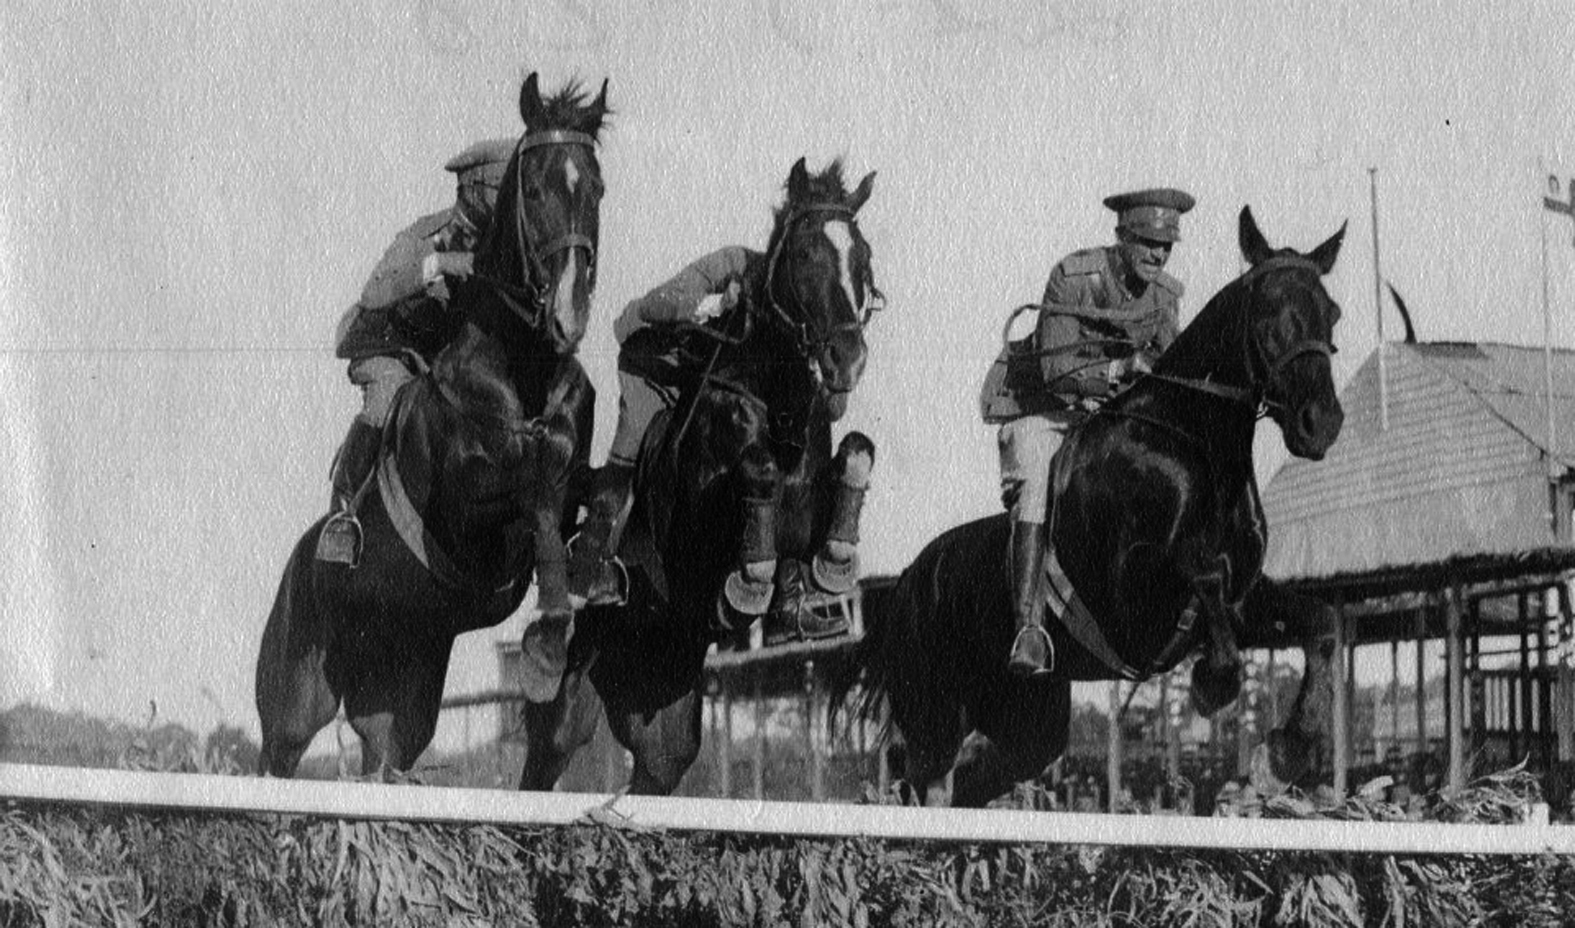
<point x="1107" y="314"/>
<point x="652" y="369"/>
<point x="401" y="321"/>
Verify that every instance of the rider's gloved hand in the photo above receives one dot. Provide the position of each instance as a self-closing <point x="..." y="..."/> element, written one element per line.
<point x="715" y="304"/>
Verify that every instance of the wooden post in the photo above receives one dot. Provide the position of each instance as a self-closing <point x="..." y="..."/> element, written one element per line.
<point x="1340" y="721"/>
<point x="758" y="749"/>
<point x="1394" y="700"/>
<point x="1113" y="748"/>
<point x="1421" y="686"/>
<point x="1564" y="693"/>
<point x="1525" y="729"/>
<point x="883" y="775"/>
<point x="724" y="744"/>
<point x="1544" y="722"/>
<point x="812" y="744"/>
<point x="1456" y="692"/>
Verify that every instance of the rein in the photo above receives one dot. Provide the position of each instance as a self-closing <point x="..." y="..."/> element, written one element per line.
<point x="1255" y="395"/>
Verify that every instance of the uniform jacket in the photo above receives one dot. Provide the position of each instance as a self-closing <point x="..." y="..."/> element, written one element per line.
<point x="679" y="298"/>
<point x="1086" y="320"/>
<point x="398" y="309"/>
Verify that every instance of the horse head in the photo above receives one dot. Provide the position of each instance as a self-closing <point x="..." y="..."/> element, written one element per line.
<point x="539" y="253"/>
<point x="818" y="278"/>
<point x="1290" y="338"/>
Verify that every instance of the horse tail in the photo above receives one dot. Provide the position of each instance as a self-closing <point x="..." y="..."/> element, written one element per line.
<point x="868" y="664"/>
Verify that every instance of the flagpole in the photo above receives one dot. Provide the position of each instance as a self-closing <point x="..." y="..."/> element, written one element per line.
<point x="1378" y="309"/>
<point x="1547" y="328"/>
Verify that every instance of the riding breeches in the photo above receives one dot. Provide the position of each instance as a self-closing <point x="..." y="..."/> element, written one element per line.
<point x="639" y="400"/>
<point x="379" y="378"/>
<point x="1027" y="444"/>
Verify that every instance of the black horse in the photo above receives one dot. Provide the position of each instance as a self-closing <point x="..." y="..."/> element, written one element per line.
<point x="747" y="451"/>
<point x="474" y="482"/>
<point x="1158" y="537"/>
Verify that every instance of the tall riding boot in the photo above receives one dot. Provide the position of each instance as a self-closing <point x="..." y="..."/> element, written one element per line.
<point x="595" y="573"/>
<point x="1032" y="651"/>
<point x="340" y="540"/>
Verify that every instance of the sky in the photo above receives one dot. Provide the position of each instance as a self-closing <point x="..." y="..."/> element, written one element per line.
<point x="191" y="196"/>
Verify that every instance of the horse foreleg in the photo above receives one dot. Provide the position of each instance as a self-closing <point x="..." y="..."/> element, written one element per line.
<point x="294" y="697"/>
<point x="1298" y="749"/>
<point x="664" y="744"/>
<point x="544" y="649"/>
<point x="394" y="707"/>
<point x="555" y="730"/>
<point x="836" y="565"/>
<point x="747" y="589"/>
<point x="1216" y="679"/>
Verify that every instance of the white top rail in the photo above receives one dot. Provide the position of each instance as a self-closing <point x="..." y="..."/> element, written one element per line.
<point x="335" y="799"/>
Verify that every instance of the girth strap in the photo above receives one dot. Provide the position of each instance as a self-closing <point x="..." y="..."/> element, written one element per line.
<point x="1084" y="628"/>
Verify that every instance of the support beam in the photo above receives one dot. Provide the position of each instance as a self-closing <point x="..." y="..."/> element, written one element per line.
<point x="1456" y="688"/>
<point x="1421" y="693"/>
<point x="758" y="747"/>
<point x="1340" y="727"/>
<point x="813" y="747"/>
<point x="724" y="744"/>
<point x="1113" y="748"/>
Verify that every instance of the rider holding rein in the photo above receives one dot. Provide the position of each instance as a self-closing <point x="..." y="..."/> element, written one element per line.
<point x="652" y="369"/>
<point x="401" y="321"/>
<point x="1107" y="314"/>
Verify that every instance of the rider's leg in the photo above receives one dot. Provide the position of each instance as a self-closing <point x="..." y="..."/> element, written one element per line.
<point x="1027" y="446"/>
<point x="591" y="571"/>
<point x="379" y="378"/>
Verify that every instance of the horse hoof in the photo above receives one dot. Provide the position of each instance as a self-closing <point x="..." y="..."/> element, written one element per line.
<point x="746" y="596"/>
<point x="544" y="656"/>
<point x="835" y="575"/>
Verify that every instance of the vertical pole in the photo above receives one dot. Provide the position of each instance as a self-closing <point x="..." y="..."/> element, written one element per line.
<point x="1547" y="344"/>
<point x="724" y="744"/>
<point x="1421" y="687"/>
<point x="812" y="745"/>
<point x="1378" y="309"/>
<point x="883" y="775"/>
<point x="1544" y="722"/>
<point x="1456" y="694"/>
<point x="1113" y="747"/>
<point x="1524" y="729"/>
<point x="1394" y="698"/>
<point x="1341" y="710"/>
<point x="758" y="749"/>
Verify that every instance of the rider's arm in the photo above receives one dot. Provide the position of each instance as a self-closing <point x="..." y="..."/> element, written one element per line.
<point x="697" y="292"/>
<point x="1073" y="370"/>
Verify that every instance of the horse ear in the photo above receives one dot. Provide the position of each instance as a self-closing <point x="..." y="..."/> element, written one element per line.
<point x="798" y="181"/>
<point x="531" y="110"/>
<point x="860" y="195"/>
<point x="1253" y="245"/>
<point x="598" y="110"/>
<point x="1324" y="254"/>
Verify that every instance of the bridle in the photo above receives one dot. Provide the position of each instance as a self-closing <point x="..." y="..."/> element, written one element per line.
<point x="528" y="300"/>
<point x="1263" y="373"/>
<point x="808" y="340"/>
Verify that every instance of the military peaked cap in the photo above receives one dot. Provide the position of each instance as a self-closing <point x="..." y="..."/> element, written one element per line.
<point x="483" y="162"/>
<point x="1154" y="213"/>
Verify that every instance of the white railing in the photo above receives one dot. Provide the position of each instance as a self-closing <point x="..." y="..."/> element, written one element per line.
<point x="330" y="799"/>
